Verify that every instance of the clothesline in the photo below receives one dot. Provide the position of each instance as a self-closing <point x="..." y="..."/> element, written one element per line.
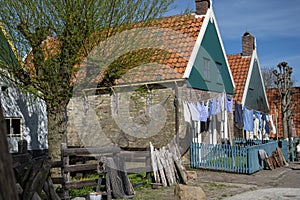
<point x="201" y="111"/>
<point x="254" y="122"/>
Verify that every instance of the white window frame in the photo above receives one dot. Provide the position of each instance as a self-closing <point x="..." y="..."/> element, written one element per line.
<point x="206" y="69"/>
<point x="219" y="74"/>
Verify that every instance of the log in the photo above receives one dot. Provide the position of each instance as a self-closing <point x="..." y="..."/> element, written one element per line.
<point x="38" y="176"/>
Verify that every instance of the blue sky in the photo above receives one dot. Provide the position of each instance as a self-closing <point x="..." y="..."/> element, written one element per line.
<point x="274" y="23"/>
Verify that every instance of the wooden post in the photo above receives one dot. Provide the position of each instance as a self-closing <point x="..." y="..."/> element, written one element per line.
<point x="66" y="175"/>
<point x="22" y="146"/>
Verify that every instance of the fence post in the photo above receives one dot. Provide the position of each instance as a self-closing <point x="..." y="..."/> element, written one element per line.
<point x="65" y="174"/>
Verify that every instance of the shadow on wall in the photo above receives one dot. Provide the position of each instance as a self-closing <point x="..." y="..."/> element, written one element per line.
<point x="33" y="113"/>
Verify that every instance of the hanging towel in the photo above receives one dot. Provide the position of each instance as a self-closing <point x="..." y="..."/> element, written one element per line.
<point x="248" y="119"/>
<point x="186" y="112"/>
<point x="194" y="112"/>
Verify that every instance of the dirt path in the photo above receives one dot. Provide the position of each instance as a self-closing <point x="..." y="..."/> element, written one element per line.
<point x="220" y="185"/>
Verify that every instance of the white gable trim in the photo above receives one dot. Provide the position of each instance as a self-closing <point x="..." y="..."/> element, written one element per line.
<point x="198" y="43"/>
<point x="253" y="58"/>
<point x="248" y="77"/>
<point x="210" y="16"/>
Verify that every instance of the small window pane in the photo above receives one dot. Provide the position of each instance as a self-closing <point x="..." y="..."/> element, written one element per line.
<point x="16" y="125"/>
<point x="7" y="126"/>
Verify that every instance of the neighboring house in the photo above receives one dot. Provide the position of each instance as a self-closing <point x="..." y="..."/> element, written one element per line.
<point x="26" y="116"/>
<point x="275" y="110"/>
<point x="145" y="104"/>
<point x="250" y="91"/>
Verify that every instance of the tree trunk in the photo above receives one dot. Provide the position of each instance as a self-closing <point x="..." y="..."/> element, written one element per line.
<point x="284" y="118"/>
<point x="57" y="128"/>
<point x="7" y="178"/>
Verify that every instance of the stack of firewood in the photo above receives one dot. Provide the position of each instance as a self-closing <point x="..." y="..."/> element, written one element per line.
<point x="275" y="160"/>
<point x="167" y="165"/>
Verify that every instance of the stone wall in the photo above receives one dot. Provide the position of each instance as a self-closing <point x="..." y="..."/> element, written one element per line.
<point x="133" y="118"/>
<point x="129" y="119"/>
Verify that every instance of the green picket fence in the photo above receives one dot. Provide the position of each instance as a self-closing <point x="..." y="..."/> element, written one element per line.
<point x="235" y="158"/>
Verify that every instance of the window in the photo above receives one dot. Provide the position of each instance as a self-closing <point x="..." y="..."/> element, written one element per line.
<point x="13" y="127"/>
<point x="14" y="132"/>
<point x="206" y="69"/>
<point x="219" y="74"/>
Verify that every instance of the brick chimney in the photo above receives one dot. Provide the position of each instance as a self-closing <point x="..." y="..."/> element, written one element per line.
<point x="248" y="44"/>
<point x="202" y="6"/>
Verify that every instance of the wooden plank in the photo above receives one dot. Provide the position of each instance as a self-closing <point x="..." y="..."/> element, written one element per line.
<point x="80" y="167"/>
<point x="134" y="154"/>
<point x="164" y="165"/>
<point x="49" y="189"/>
<point x="141" y="160"/>
<point x="80" y="184"/>
<point x="66" y="175"/>
<point x="154" y="164"/>
<point x="160" y="168"/>
<point x="281" y="156"/>
<point x="139" y="170"/>
<point x="172" y="166"/>
<point x="19" y="159"/>
<point x="90" y="151"/>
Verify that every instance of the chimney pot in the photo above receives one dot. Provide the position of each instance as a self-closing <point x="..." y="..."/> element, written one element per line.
<point x="202" y="6"/>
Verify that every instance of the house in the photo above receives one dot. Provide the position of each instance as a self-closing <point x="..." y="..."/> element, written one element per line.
<point x="250" y="91"/>
<point x="151" y="102"/>
<point x="275" y="110"/>
<point x="25" y="115"/>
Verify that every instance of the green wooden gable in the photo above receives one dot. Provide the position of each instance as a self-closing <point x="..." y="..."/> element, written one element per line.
<point x="7" y="56"/>
<point x="210" y="71"/>
<point x="256" y="98"/>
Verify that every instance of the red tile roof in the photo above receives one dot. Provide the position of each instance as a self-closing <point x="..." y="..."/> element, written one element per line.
<point x="239" y="66"/>
<point x="273" y="97"/>
<point x="178" y="35"/>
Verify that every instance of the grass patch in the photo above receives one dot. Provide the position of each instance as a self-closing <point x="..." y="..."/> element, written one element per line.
<point x="139" y="181"/>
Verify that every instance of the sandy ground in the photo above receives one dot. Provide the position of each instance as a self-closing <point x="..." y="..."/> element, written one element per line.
<point x="221" y="185"/>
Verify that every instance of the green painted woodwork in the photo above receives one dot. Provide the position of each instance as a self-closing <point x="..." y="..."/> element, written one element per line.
<point x="255" y="98"/>
<point x="7" y="56"/>
<point x="210" y="49"/>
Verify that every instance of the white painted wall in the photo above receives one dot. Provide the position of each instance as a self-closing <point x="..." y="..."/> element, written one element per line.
<point x="33" y="113"/>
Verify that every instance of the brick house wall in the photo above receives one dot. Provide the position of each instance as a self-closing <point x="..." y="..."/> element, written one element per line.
<point x="272" y="95"/>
